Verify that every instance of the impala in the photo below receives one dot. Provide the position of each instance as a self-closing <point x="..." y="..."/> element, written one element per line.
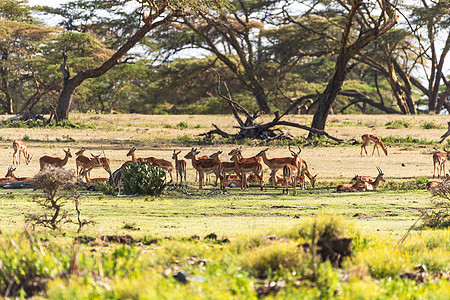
<point x="242" y="168"/>
<point x="305" y="171"/>
<point x="180" y="167"/>
<point x="8" y="178"/>
<point x="359" y="185"/>
<point x="54" y="161"/>
<point x="134" y="159"/>
<point x="204" y="166"/>
<point x="21" y="147"/>
<point x="373" y="185"/>
<point x="163" y="164"/>
<point x="439" y="159"/>
<point x="432" y="185"/>
<point x="291" y="174"/>
<point x="276" y="164"/>
<point x="374" y="139"/>
<point x="13" y="177"/>
<point x="85" y="173"/>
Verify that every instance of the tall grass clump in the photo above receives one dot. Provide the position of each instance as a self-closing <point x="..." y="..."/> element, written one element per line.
<point x="429" y="125"/>
<point x="274" y="259"/>
<point x="396" y="124"/>
<point x="143" y="178"/>
<point x="326" y="227"/>
<point x="439" y="215"/>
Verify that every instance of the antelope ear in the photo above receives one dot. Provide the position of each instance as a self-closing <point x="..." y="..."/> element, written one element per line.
<point x="316" y="175"/>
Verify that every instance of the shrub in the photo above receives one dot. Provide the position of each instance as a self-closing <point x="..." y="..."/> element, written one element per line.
<point x="439" y="217"/>
<point x="143" y="178"/>
<point x="397" y="124"/>
<point x="183" y="124"/>
<point x="429" y="125"/>
<point x="50" y="180"/>
<point x="268" y="260"/>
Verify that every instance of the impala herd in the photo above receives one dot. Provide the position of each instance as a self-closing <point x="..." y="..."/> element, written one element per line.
<point x="234" y="173"/>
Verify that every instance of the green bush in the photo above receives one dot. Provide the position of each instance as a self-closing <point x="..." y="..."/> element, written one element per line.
<point x="429" y="125"/>
<point x="143" y="178"/>
<point x="397" y="124"/>
<point x="183" y="124"/>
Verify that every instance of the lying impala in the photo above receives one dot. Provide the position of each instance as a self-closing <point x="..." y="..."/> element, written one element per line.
<point x="180" y="167"/>
<point x="439" y="159"/>
<point x="205" y="166"/>
<point x="374" y="139"/>
<point x="278" y="163"/>
<point x="242" y="168"/>
<point x="14" y="178"/>
<point x="46" y="161"/>
<point x="85" y="173"/>
<point x="21" y="147"/>
<point x="358" y="186"/>
<point x="373" y="185"/>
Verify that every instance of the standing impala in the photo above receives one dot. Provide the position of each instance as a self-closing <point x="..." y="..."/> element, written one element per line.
<point x="439" y="159"/>
<point x="180" y="167"/>
<point x="278" y="163"/>
<point x="305" y="171"/>
<point x="21" y="147"/>
<point x="205" y="166"/>
<point x="46" y="161"/>
<point x="242" y="168"/>
<point x="291" y="174"/>
<point x="374" y="139"/>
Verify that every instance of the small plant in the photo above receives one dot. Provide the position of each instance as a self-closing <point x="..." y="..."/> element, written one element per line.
<point x="25" y="138"/>
<point x="421" y="181"/>
<point x="429" y="125"/>
<point x="439" y="217"/>
<point x="143" y="178"/>
<point x="183" y="124"/>
<point x="397" y="124"/>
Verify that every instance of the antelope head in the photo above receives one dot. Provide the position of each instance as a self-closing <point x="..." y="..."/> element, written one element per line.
<point x="78" y="153"/>
<point x="97" y="158"/>
<point x="175" y="154"/>
<point x="380" y="174"/>
<point x="192" y="153"/>
<point x="10" y="172"/>
<point x="68" y="152"/>
<point x="132" y="150"/>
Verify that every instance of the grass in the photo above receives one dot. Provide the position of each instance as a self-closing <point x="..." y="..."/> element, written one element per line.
<point x="265" y="228"/>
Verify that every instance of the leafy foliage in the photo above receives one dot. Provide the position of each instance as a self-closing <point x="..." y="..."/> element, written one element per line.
<point x="143" y="178"/>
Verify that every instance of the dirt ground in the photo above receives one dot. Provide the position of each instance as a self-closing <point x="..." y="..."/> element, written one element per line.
<point x="117" y="133"/>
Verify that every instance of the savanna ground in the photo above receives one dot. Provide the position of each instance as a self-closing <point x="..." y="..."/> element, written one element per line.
<point x="381" y="217"/>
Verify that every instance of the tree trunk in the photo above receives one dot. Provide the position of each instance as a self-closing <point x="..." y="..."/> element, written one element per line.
<point x="326" y="99"/>
<point x="64" y="101"/>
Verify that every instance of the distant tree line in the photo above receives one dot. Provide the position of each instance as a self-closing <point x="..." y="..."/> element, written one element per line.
<point x="339" y="56"/>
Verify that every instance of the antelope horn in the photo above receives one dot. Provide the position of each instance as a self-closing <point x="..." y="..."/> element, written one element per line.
<point x="291" y="150"/>
<point x="299" y="149"/>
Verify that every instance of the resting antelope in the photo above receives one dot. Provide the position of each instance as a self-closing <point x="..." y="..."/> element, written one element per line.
<point x="180" y="167"/>
<point x="54" y="161"/>
<point x="374" y="139"/>
<point x="205" y="166"/>
<point x="21" y="147"/>
<point x="242" y="168"/>
<point x="11" y="174"/>
<point x="373" y="185"/>
<point x="85" y="173"/>
<point x="358" y="186"/>
<point x="432" y="185"/>
<point x="439" y="159"/>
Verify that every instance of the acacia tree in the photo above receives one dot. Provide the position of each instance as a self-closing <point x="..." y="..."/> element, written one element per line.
<point x="370" y="29"/>
<point x="20" y="37"/>
<point x="156" y="14"/>
<point x="431" y="20"/>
